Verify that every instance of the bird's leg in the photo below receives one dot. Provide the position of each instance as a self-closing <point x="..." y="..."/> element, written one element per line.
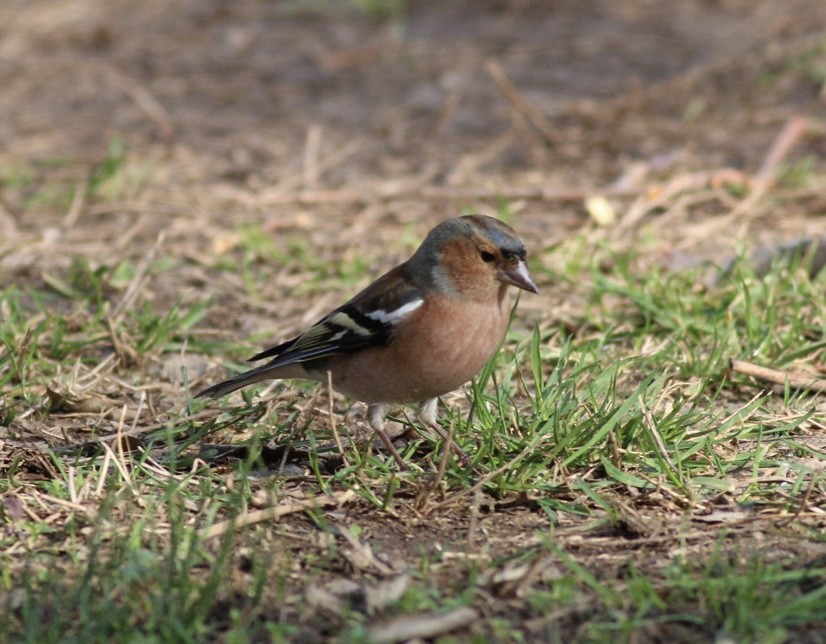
<point x="427" y="416"/>
<point x="375" y="416"/>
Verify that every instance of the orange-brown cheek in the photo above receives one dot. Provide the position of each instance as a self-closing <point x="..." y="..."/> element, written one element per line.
<point x="466" y="271"/>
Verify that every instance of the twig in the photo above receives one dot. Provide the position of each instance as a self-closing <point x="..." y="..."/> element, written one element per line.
<point x="120" y="457"/>
<point x="435" y="193"/>
<point x="364" y="557"/>
<point x="8" y="226"/>
<point x="648" y="417"/>
<point x="792" y="130"/>
<point x="340" y="59"/>
<point x="147" y="103"/>
<point x="40" y="497"/>
<point x="89" y="381"/>
<point x="339" y="444"/>
<point x="104" y="472"/>
<point x="484" y="480"/>
<point x="758" y="184"/>
<point x="447" y="111"/>
<point x="71" y="485"/>
<point x="204" y="413"/>
<point x="421" y="626"/>
<point x="681" y="499"/>
<point x="645" y="204"/>
<point x="803" y="503"/>
<point x="138" y="281"/>
<point x="120" y="464"/>
<point x="121" y="350"/>
<point x="473" y="524"/>
<point x="791" y="133"/>
<point x="78" y="201"/>
<point x="275" y="512"/>
<point x="446" y="450"/>
<point x="125" y="240"/>
<point x="522" y="105"/>
<point x="332" y="160"/>
<point x="796" y="379"/>
<point x="312" y="149"/>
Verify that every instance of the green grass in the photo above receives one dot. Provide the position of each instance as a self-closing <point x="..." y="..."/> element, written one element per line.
<point x="618" y="428"/>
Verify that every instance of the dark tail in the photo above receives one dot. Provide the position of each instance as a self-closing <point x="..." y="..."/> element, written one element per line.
<point x="236" y="382"/>
<point x="267" y="371"/>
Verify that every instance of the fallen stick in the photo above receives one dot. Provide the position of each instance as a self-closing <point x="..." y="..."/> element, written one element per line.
<point x="274" y="512"/>
<point x="423" y="625"/>
<point x="796" y="379"/>
<point x="520" y="103"/>
<point x="793" y="130"/>
<point x="311" y="197"/>
<point x="144" y="100"/>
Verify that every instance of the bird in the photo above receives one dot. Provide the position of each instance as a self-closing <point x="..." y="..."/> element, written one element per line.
<point x="421" y="330"/>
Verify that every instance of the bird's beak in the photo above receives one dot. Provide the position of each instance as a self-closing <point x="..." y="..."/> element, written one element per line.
<point x="519" y="277"/>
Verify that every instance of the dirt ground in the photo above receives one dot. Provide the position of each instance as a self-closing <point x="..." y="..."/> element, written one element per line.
<point x="351" y="129"/>
<point x="340" y="126"/>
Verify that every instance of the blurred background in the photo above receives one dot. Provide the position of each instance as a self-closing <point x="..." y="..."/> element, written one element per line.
<point x="297" y="147"/>
<point x="260" y="100"/>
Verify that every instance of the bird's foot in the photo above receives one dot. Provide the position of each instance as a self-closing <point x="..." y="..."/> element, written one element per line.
<point x="450" y="444"/>
<point x="392" y="449"/>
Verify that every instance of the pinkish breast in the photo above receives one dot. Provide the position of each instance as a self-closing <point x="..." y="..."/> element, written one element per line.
<point x="440" y="348"/>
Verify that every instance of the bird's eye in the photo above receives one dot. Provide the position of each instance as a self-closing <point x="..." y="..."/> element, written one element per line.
<point x="487" y="257"/>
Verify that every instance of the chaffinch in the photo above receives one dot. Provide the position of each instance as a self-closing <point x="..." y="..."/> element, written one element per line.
<point x="419" y="331"/>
